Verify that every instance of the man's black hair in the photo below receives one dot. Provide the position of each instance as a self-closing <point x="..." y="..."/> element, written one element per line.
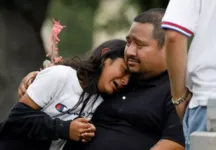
<point x="154" y="17"/>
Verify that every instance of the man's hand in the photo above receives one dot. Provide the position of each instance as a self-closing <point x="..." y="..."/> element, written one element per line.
<point x="81" y="129"/>
<point x="25" y="83"/>
<point x="182" y="107"/>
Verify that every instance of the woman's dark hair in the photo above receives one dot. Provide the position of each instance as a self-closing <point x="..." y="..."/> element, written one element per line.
<point x="89" y="69"/>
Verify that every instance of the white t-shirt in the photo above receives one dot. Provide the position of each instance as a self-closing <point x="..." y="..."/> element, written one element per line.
<point x="56" y="90"/>
<point x="198" y="18"/>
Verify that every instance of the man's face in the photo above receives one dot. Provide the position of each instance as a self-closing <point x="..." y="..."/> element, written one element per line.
<point x="142" y="53"/>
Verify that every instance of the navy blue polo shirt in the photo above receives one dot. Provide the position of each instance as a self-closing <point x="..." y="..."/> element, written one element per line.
<point x="137" y="118"/>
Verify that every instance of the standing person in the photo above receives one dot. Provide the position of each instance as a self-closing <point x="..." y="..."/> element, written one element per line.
<point x="141" y="116"/>
<point x="194" y="70"/>
<point x="59" y="94"/>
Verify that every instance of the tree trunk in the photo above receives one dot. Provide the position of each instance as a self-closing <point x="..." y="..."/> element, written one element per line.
<point x="21" y="51"/>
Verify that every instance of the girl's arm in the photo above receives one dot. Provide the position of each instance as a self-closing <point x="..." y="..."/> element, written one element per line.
<point x="26" y="122"/>
<point x="26" y="119"/>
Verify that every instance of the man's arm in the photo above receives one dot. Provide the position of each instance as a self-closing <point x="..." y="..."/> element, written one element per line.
<point x="26" y="82"/>
<point x="172" y="136"/>
<point x="167" y="145"/>
<point x="176" y="56"/>
<point x="180" y="22"/>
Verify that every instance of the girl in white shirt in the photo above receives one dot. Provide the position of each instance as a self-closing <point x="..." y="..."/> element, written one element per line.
<point x="66" y="91"/>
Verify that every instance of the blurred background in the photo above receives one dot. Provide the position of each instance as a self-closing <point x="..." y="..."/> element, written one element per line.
<point x="25" y="26"/>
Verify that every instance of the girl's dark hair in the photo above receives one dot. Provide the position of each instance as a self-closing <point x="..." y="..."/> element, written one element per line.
<point x="89" y="69"/>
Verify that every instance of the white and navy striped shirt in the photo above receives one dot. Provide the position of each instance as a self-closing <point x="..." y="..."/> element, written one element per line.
<point x="198" y="18"/>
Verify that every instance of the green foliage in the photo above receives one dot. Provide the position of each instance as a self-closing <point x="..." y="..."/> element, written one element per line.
<point x="118" y="22"/>
<point x="121" y="21"/>
<point x="147" y="4"/>
<point x="78" y="16"/>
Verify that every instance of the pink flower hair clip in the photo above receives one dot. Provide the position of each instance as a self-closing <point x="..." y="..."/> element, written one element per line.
<point x="53" y="50"/>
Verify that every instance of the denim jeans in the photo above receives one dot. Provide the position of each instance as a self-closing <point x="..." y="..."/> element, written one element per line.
<point x="195" y="119"/>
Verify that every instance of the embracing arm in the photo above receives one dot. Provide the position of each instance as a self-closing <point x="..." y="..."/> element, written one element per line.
<point x="172" y="135"/>
<point x="167" y="145"/>
<point x="26" y="82"/>
<point x="27" y="122"/>
<point x="26" y="118"/>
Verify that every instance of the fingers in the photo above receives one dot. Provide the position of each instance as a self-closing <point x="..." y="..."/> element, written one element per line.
<point x="25" y="83"/>
<point x="84" y="120"/>
<point x="84" y="140"/>
<point x="34" y="73"/>
<point x="84" y="130"/>
<point x="89" y="128"/>
<point x="29" y="81"/>
<point x="30" y="77"/>
<point x="20" y="93"/>
<point x="21" y="89"/>
<point x="88" y="135"/>
<point x="81" y="129"/>
<point x="93" y="128"/>
<point x="85" y="126"/>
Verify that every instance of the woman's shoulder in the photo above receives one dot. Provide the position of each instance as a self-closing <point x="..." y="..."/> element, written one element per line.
<point x="60" y="67"/>
<point x="59" y="72"/>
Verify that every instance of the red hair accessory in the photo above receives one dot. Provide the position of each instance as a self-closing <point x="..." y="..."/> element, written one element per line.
<point x="53" y="50"/>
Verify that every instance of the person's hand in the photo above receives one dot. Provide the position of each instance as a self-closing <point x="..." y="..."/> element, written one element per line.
<point x="81" y="129"/>
<point x="189" y="96"/>
<point x="25" y="83"/>
<point x="87" y="136"/>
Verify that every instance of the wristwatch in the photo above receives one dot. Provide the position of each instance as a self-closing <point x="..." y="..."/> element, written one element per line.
<point x="181" y="99"/>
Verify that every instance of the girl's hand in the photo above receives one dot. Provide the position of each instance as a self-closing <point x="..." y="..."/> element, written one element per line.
<point x="87" y="136"/>
<point x="81" y="128"/>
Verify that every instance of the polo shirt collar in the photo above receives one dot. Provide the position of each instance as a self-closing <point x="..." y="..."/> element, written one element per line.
<point x="155" y="81"/>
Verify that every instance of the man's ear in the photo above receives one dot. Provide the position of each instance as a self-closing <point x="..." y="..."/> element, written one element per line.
<point x="104" y="51"/>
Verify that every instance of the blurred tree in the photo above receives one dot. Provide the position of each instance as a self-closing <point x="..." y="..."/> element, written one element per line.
<point x="21" y="46"/>
<point x="78" y="16"/>
<point x="122" y="21"/>
<point x="143" y="5"/>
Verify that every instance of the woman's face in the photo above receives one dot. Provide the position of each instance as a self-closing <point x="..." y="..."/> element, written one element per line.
<point x="114" y="76"/>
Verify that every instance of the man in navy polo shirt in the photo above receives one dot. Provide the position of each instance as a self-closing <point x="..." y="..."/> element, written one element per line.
<point x="142" y="116"/>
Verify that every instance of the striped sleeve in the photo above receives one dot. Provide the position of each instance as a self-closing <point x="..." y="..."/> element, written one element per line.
<point x="182" y="16"/>
<point x="176" y="27"/>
